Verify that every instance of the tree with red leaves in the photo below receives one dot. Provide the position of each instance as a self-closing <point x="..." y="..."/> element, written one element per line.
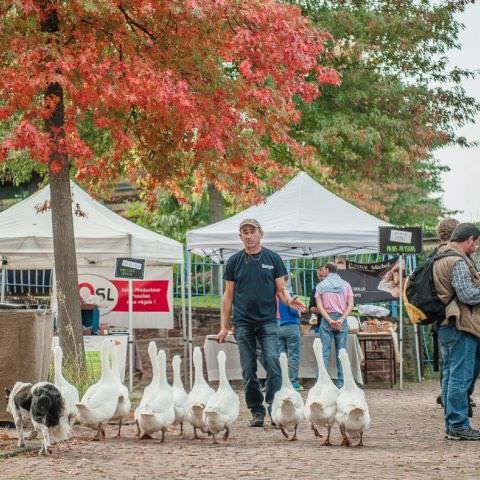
<point x="170" y="88"/>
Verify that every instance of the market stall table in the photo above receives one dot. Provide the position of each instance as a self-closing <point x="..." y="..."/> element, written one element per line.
<point x="308" y="363"/>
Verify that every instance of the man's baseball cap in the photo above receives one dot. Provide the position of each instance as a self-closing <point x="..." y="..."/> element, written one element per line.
<point x="250" y="221"/>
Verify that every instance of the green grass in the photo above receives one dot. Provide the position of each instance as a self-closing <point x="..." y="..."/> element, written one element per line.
<point x="212" y="301"/>
<point x="207" y="301"/>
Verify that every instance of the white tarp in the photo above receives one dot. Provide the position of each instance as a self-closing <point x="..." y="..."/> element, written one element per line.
<point x="301" y="219"/>
<point x="100" y="235"/>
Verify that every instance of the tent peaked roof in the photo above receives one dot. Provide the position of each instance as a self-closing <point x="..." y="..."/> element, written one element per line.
<point x="301" y="219"/>
<point x="100" y="234"/>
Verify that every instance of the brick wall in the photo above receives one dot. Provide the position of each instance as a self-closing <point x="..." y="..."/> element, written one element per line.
<point x="206" y="321"/>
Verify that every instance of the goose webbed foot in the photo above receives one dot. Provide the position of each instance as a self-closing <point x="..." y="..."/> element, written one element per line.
<point x="99" y="434"/>
<point x="316" y="432"/>
<point x="294" y="436"/>
<point x="345" y="442"/>
<point x="285" y="434"/>
<point x="360" y="443"/>
<point x="226" y="434"/>
<point x="146" y="436"/>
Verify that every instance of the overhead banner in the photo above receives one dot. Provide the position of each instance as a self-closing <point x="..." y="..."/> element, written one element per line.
<point x="152" y="296"/>
<point x="373" y="282"/>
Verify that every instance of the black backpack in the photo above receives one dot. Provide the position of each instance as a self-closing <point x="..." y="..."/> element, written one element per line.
<point x="420" y="295"/>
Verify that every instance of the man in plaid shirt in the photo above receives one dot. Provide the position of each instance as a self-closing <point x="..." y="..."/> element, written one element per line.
<point x="458" y="286"/>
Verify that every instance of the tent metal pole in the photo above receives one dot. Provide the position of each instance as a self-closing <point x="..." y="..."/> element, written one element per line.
<point x="130" y="324"/>
<point x="4" y="279"/>
<point x="400" y="333"/>
<point x="220" y="285"/>
<point x="184" y="318"/>
<point x="190" y="334"/>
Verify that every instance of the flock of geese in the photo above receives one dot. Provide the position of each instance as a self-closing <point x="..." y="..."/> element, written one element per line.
<point x="208" y="411"/>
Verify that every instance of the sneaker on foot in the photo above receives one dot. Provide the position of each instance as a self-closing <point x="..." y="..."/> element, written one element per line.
<point x="257" y="419"/>
<point x="464" y="433"/>
<point x="298" y="388"/>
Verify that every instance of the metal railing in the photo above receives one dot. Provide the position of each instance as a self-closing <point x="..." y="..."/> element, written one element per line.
<point x="28" y="282"/>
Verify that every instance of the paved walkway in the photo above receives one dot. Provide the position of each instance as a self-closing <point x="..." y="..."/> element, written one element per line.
<point x="405" y="442"/>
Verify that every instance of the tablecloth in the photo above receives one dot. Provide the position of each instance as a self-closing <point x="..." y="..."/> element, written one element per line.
<point x="308" y="363"/>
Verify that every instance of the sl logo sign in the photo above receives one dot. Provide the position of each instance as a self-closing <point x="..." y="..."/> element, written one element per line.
<point x="99" y="291"/>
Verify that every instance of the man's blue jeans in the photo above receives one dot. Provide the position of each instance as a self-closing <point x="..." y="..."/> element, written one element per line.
<point x="267" y="336"/>
<point x="340" y="338"/>
<point x="458" y="354"/>
<point x="289" y="341"/>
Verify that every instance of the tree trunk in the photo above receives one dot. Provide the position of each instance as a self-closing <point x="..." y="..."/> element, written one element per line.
<point x="216" y="204"/>
<point x="216" y="212"/>
<point x="68" y="299"/>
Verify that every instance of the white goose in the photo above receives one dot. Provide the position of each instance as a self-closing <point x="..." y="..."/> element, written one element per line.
<point x="287" y="406"/>
<point x="198" y="397"/>
<point x="100" y="401"/>
<point x="158" y="413"/>
<point x="352" y="415"/>
<point x="151" y="390"/>
<point x="179" y="393"/>
<point x="124" y="405"/>
<point x="69" y="392"/>
<point x="321" y="404"/>
<point x="223" y="406"/>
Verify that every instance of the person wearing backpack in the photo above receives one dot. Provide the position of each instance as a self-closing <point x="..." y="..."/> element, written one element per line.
<point x="457" y="284"/>
<point x="444" y="231"/>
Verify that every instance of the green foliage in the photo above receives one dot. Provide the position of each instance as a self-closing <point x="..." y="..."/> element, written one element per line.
<point x="375" y="135"/>
<point x="169" y="217"/>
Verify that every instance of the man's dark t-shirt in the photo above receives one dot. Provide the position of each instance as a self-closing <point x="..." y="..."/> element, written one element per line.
<point x="254" y="292"/>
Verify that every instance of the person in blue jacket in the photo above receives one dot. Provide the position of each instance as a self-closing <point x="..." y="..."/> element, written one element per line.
<point x="289" y="338"/>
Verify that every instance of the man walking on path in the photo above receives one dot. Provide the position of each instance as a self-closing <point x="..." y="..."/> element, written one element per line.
<point x="253" y="277"/>
<point x="335" y="302"/>
<point x="458" y="286"/>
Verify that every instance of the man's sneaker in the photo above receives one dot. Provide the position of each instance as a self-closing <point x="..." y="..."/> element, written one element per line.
<point x="257" y="419"/>
<point x="298" y="388"/>
<point x="465" y="433"/>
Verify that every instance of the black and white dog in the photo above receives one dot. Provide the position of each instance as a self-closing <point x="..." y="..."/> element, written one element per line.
<point x="43" y="404"/>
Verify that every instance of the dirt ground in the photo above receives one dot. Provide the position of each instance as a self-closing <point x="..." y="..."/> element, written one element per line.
<point x="406" y="441"/>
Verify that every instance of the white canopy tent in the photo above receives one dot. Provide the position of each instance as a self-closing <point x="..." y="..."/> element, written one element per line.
<point x="101" y="235"/>
<point x="303" y="219"/>
<point x="26" y="239"/>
